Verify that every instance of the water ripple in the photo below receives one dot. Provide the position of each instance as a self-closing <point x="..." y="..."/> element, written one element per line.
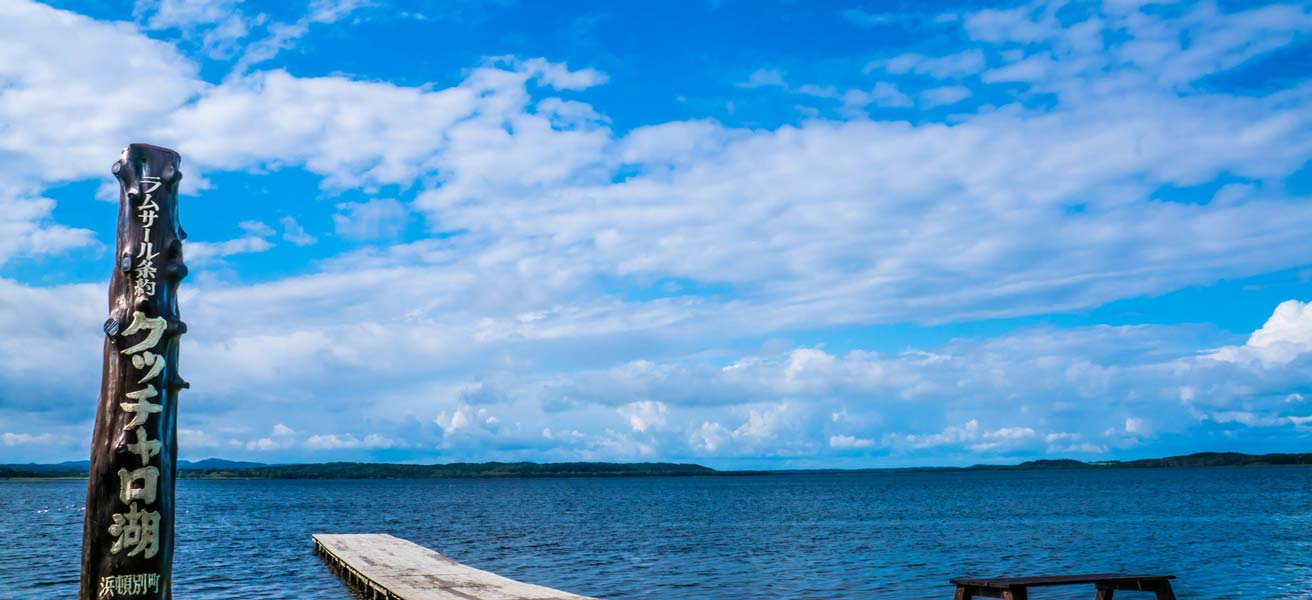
<point x="1227" y="533"/>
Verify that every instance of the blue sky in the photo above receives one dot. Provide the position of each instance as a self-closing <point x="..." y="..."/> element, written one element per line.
<point x="744" y="234"/>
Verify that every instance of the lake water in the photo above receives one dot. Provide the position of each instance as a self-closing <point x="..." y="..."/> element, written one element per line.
<point x="1227" y="533"/>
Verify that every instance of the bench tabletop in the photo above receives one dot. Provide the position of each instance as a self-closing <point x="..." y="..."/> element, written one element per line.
<point x="1006" y="582"/>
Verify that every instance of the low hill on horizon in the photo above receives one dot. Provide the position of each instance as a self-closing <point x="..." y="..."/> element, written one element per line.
<point x="1197" y="459"/>
<point x="75" y="467"/>
<point x="216" y="468"/>
<point x="351" y="470"/>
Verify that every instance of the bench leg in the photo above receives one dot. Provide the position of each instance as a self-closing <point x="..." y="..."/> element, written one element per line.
<point x="1164" y="591"/>
<point x="970" y="592"/>
<point x="1015" y="593"/>
<point x="1105" y="592"/>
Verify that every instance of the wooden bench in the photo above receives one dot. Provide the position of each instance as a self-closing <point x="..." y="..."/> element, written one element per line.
<point x="1016" y="588"/>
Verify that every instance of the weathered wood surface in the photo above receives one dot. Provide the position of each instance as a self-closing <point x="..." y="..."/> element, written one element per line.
<point x="390" y="568"/>
<point x="1017" y="588"/>
<point x="1002" y="582"/>
<point x="127" y="540"/>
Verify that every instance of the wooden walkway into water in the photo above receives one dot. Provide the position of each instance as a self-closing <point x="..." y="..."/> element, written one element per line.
<point x="384" y="567"/>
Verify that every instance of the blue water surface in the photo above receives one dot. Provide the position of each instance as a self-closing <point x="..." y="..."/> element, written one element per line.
<point x="1226" y="533"/>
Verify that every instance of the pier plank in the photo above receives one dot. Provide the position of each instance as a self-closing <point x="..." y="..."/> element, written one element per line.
<point x="390" y="568"/>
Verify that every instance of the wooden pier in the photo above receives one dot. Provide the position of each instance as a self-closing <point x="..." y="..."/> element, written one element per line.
<point x="383" y="567"/>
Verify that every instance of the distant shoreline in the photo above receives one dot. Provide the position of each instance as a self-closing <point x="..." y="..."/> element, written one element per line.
<point x="222" y="469"/>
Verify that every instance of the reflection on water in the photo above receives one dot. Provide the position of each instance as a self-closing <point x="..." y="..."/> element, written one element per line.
<point x="1227" y="533"/>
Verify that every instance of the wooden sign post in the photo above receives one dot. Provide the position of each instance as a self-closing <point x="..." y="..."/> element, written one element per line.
<point x="127" y="538"/>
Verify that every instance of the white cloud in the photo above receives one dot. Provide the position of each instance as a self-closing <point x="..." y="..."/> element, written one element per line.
<point x="951" y="435"/>
<point x="218" y="23"/>
<point x="183" y="13"/>
<point x="200" y="439"/>
<point x="282" y="36"/>
<point x="203" y="253"/>
<point x="867" y="19"/>
<point x="294" y="233"/>
<point x="1030" y="70"/>
<point x="349" y="441"/>
<point x="1013" y="210"/>
<point x="709" y="437"/>
<point x="764" y="78"/>
<point x="331" y="11"/>
<point x="994" y="395"/>
<point x="967" y="207"/>
<point x="1284" y="336"/>
<point x="996" y="187"/>
<point x="961" y="64"/>
<point x="266" y="444"/>
<point x="379" y="218"/>
<point x="973" y="437"/>
<point x="559" y="76"/>
<point x="26" y="439"/>
<point x="644" y="415"/>
<point x="469" y="422"/>
<point x="852" y="101"/>
<point x="352" y="132"/>
<point x="1011" y="433"/>
<point x="281" y="439"/>
<point x="26" y="229"/>
<point x="40" y="323"/>
<point x="882" y="94"/>
<point x="1077" y="448"/>
<point x="765" y="429"/>
<point x="1159" y="49"/>
<point x="847" y="442"/>
<point x="943" y="96"/>
<point x="256" y="228"/>
<point x="1251" y="419"/>
<point x="454" y="421"/>
<point x="51" y="86"/>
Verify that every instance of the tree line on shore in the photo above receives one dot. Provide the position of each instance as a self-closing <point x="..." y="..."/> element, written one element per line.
<point x="223" y="469"/>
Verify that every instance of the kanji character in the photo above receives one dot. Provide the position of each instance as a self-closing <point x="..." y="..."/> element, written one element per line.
<point x="127" y="484"/>
<point x="137" y="531"/>
<point x="145" y="270"/>
<point x="142" y="409"/>
<point x="144" y="287"/>
<point x="144" y="447"/>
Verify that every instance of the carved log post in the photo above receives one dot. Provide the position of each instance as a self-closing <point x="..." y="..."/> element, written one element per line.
<point x="127" y="538"/>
